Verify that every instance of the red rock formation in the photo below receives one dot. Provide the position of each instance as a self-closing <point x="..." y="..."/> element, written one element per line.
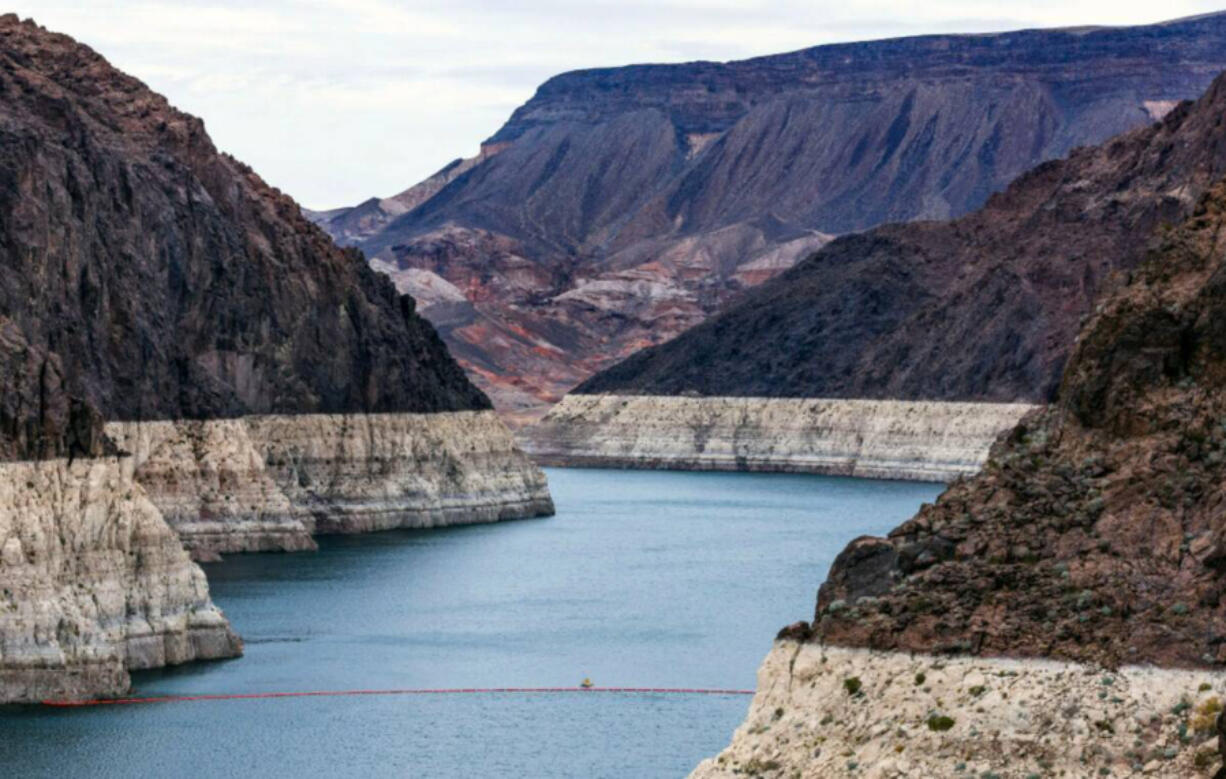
<point x="644" y="198"/>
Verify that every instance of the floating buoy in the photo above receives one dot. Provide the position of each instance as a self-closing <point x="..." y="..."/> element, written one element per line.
<point x="586" y="687"/>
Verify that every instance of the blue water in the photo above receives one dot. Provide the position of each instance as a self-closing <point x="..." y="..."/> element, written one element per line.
<point x="642" y="579"/>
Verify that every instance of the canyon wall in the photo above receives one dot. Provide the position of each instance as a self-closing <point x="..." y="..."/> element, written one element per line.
<point x="210" y="482"/>
<point x="346" y="473"/>
<point x="986" y="307"/>
<point x="268" y="483"/>
<point x="147" y="279"/>
<point x="919" y="440"/>
<point x="94" y="584"/>
<point x="621" y="206"/>
<point x="1094" y="537"/>
<point x="833" y="711"/>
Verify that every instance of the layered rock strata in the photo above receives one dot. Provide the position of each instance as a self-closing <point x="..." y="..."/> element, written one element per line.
<point x="268" y="483"/>
<point x="831" y="711"/>
<point x="210" y="483"/>
<point x="147" y="279"/>
<point x="347" y="473"/>
<point x="924" y="441"/>
<point x="621" y="206"/>
<point x="94" y="584"/>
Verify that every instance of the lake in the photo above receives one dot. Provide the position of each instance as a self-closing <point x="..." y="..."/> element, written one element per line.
<point x="643" y="579"/>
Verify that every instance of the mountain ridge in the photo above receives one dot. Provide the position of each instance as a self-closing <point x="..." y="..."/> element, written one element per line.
<point x="899" y="311"/>
<point x="621" y="206"/>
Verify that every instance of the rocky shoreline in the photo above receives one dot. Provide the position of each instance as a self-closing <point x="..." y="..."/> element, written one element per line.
<point x="148" y="276"/>
<point x="95" y="584"/>
<point x="913" y="440"/>
<point x="268" y="483"/>
<point x="354" y="473"/>
<point x="823" y="710"/>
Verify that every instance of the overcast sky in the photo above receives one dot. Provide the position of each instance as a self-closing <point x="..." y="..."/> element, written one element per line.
<point x="337" y="100"/>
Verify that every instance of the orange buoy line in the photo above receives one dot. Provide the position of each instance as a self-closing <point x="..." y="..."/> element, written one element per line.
<point x="410" y="691"/>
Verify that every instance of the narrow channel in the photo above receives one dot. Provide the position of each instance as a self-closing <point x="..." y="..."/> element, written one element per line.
<point x="644" y="579"/>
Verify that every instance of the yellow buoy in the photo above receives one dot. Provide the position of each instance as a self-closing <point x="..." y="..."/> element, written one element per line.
<point x="587" y="684"/>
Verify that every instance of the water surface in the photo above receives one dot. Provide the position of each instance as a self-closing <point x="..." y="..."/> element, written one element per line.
<point x="642" y="579"/>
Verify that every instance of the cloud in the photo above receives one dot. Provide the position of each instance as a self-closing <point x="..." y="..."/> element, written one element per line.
<point x="337" y="100"/>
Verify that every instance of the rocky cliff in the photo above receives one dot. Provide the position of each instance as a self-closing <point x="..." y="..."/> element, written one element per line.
<point x="210" y="481"/>
<point x="899" y="312"/>
<point x="1094" y="532"/>
<point x="923" y="441"/>
<point x="170" y="281"/>
<point x="1093" y="535"/>
<point x="621" y="206"/>
<point x="346" y="473"/>
<point x="832" y="711"/>
<point x="270" y="482"/>
<point x="94" y="584"/>
<point x="157" y="302"/>
<point x="163" y="282"/>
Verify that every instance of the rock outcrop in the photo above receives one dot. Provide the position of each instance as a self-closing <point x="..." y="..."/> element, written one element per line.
<point x="210" y="482"/>
<point x="93" y="584"/>
<point x="269" y="483"/>
<point x="347" y="473"/>
<point x="167" y="288"/>
<point x="899" y="312"/>
<point x="167" y="279"/>
<point x="832" y="711"/>
<point x="621" y="206"/>
<point x="1093" y="535"/>
<point x="1095" y="531"/>
<point x="158" y="300"/>
<point x="924" y="441"/>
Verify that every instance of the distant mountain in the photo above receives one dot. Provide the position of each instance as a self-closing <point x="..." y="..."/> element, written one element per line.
<point x="982" y="308"/>
<point x="621" y="206"/>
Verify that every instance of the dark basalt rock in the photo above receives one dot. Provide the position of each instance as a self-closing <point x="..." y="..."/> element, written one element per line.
<point x="145" y="275"/>
<point x="1096" y="530"/>
<point x="982" y="308"/>
<point x="619" y="207"/>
